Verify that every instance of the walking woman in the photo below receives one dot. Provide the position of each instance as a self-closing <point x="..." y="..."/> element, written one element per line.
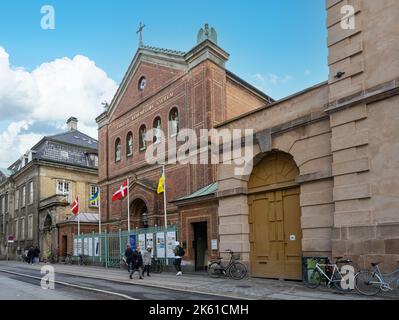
<point x="147" y="261"/>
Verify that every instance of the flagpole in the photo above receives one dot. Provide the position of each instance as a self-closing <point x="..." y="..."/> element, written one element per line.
<point x="80" y="243"/>
<point x="99" y="221"/>
<point x="128" y="206"/>
<point x="164" y="196"/>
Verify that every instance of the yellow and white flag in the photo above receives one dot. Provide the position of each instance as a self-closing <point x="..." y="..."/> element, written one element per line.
<point x="161" y="182"/>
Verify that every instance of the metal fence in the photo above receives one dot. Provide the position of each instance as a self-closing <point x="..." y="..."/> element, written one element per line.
<point x="108" y="249"/>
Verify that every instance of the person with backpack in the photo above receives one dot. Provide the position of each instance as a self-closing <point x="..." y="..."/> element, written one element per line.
<point x="137" y="261"/>
<point x="179" y="254"/>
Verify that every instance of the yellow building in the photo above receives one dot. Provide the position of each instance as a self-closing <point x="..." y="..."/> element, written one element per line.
<point x="45" y="181"/>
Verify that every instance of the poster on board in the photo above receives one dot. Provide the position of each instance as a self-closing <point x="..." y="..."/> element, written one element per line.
<point x="150" y="242"/>
<point x="142" y="242"/>
<point x="170" y="243"/>
<point x="160" y="245"/>
<point x="75" y="247"/>
<point x="86" y="246"/>
<point x="96" y="247"/>
<point x="132" y="241"/>
<point x="90" y="242"/>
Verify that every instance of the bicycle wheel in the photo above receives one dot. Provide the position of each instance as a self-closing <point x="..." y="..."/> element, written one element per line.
<point x="368" y="283"/>
<point x="337" y="280"/>
<point x="215" y="270"/>
<point x="238" y="271"/>
<point x="314" y="278"/>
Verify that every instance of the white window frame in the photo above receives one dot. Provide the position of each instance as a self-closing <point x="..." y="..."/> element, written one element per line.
<point x="23" y="228"/>
<point x="30" y="192"/>
<point x="16" y="199"/>
<point x="16" y="235"/>
<point x="3" y="204"/>
<point x="62" y="191"/>
<point x="7" y="206"/>
<point x="30" y="227"/>
<point x="23" y="200"/>
<point x="93" y="190"/>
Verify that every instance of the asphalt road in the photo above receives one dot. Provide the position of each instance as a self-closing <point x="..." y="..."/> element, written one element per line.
<point x="23" y="286"/>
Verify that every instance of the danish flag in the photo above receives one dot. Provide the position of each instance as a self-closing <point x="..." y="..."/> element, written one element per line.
<point x="121" y="193"/>
<point x="75" y="206"/>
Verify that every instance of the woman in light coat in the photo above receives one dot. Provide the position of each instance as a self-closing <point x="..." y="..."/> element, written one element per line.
<point x="147" y="261"/>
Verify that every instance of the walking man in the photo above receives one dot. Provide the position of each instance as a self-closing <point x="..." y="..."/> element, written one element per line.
<point x="129" y="256"/>
<point x="179" y="254"/>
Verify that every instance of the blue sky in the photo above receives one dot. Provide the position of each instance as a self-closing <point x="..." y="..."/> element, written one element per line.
<point x="277" y="45"/>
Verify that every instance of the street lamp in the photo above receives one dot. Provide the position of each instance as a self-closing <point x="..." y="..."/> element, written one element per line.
<point x="145" y="219"/>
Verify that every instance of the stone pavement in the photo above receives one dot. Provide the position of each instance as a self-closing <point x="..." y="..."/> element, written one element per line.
<point x="249" y="288"/>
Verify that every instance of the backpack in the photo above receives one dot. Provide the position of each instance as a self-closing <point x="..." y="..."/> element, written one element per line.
<point x="180" y="251"/>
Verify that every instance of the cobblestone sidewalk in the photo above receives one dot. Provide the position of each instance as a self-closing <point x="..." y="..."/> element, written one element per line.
<point x="249" y="288"/>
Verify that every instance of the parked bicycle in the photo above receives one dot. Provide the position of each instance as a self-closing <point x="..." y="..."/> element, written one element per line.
<point x="331" y="274"/>
<point x="370" y="283"/>
<point x="234" y="269"/>
<point x="68" y="259"/>
<point x="156" y="265"/>
<point x="83" y="260"/>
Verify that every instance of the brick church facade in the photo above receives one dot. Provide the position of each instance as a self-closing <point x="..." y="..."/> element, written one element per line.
<point x="168" y="90"/>
<point x="325" y="172"/>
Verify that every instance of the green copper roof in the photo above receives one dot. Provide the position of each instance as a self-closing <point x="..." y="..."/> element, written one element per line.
<point x="205" y="191"/>
<point x="162" y="50"/>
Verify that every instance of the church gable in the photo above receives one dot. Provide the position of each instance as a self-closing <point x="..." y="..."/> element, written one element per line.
<point x="151" y="70"/>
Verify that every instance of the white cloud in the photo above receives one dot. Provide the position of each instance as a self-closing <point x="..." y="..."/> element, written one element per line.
<point x="50" y="94"/>
<point x="307" y="72"/>
<point x="267" y="82"/>
<point x="15" y="141"/>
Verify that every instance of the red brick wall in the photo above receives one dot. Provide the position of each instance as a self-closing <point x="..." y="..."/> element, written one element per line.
<point x="69" y="229"/>
<point x="202" y="212"/>
<point x="199" y="95"/>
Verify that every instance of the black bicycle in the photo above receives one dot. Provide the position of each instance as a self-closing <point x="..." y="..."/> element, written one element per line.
<point x="234" y="268"/>
<point x="83" y="260"/>
<point x="68" y="259"/>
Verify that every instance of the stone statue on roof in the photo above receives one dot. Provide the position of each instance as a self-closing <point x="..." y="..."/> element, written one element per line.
<point x="207" y="33"/>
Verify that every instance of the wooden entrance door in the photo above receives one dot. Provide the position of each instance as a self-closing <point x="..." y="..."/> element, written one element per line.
<point x="275" y="235"/>
<point x="274" y="219"/>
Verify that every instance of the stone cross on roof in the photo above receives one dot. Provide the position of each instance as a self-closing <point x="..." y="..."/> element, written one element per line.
<point x="140" y="33"/>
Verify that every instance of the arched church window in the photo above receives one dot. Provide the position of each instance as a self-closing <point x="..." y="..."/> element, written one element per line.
<point x="157" y="138"/>
<point x="118" y="149"/>
<point x="129" y="144"/>
<point x="142" y="83"/>
<point x="142" y="137"/>
<point x="173" y="122"/>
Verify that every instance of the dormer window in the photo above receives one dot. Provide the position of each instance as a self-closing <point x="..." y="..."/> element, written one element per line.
<point x="142" y="83"/>
<point x="93" y="160"/>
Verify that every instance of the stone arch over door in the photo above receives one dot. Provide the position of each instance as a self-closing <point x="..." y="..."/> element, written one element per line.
<point x="140" y="213"/>
<point x="274" y="217"/>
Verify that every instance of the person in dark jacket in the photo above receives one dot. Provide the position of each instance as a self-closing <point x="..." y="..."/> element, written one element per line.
<point x="129" y="257"/>
<point x="137" y="263"/>
<point x="30" y="255"/>
<point x="36" y="254"/>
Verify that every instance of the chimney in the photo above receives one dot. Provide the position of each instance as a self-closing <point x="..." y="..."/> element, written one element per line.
<point x="72" y="123"/>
